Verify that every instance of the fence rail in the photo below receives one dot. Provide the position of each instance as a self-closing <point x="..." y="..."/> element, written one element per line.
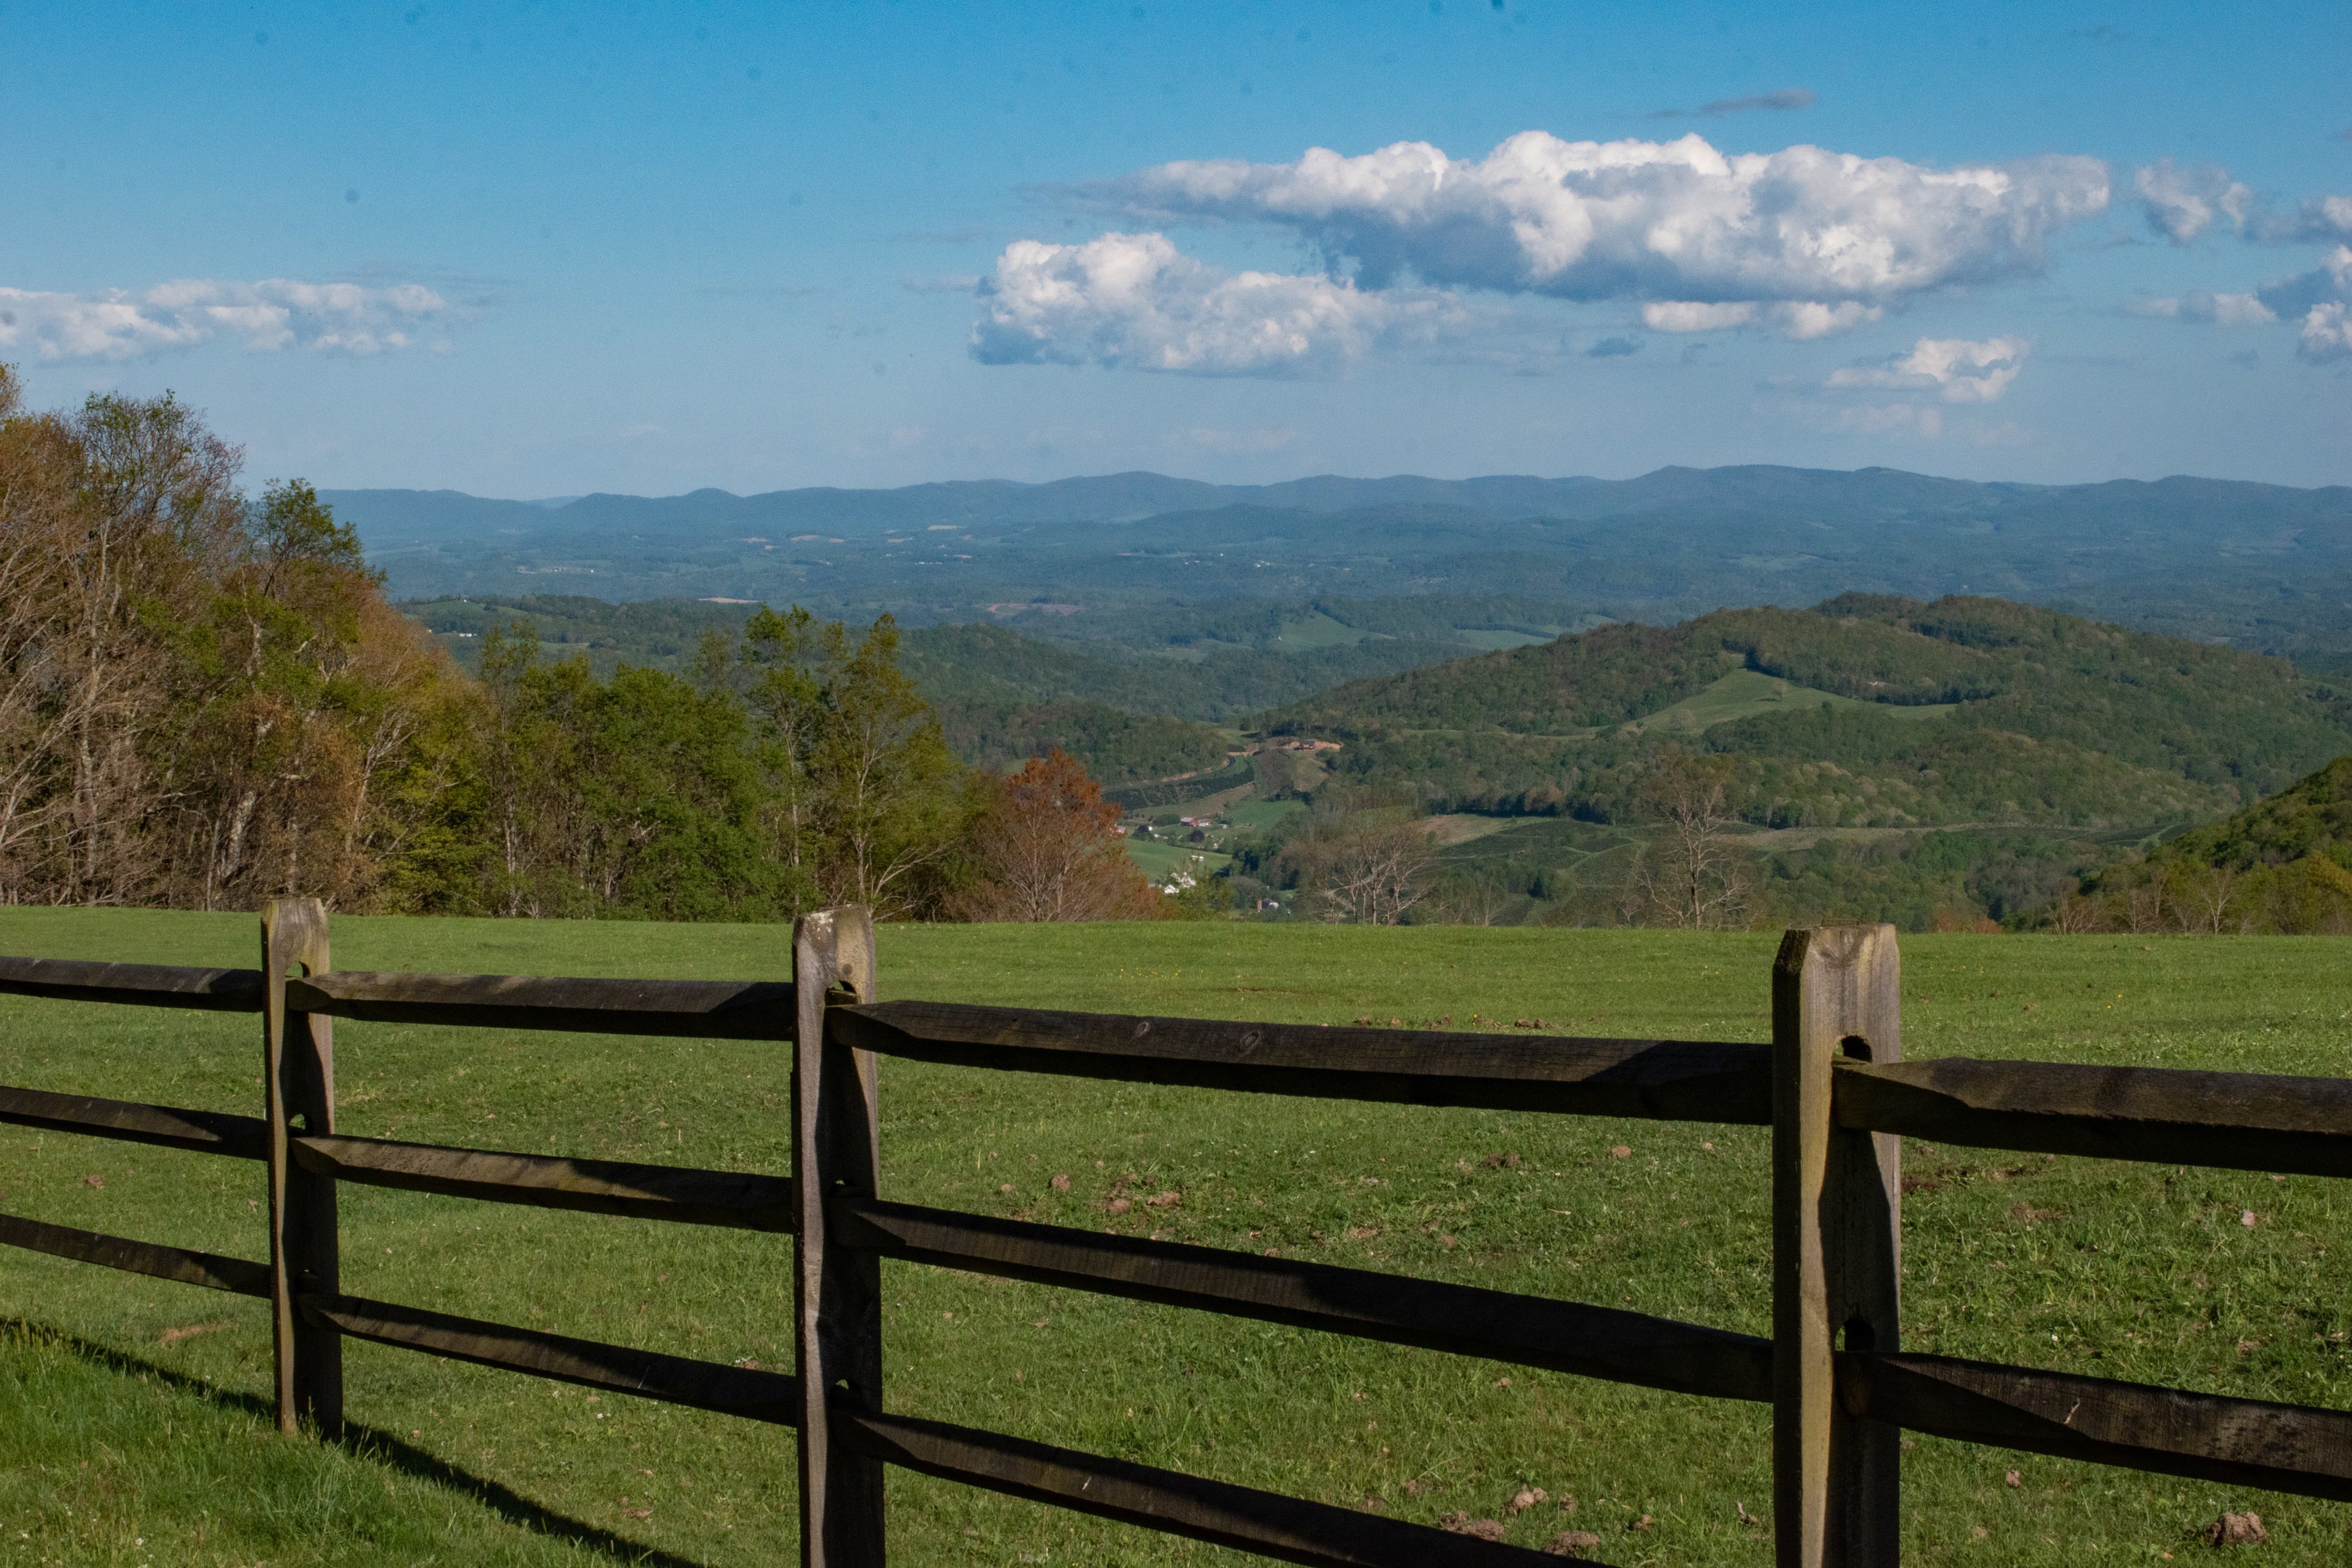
<point x="1832" y="1084"/>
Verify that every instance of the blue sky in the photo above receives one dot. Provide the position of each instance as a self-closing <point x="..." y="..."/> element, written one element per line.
<point x="537" y="249"/>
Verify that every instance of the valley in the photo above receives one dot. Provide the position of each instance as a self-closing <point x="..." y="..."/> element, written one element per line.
<point x="1514" y="661"/>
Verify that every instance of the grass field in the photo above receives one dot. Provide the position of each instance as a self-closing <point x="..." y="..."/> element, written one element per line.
<point x="132" y="1431"/>
<point x="1746" y="693"/>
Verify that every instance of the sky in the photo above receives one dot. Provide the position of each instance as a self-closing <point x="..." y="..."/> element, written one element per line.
<point x="536" y="250"/>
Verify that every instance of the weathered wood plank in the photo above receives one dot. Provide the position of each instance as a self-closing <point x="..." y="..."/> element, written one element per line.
<point x="136" y="984"/>
<point x="2246" y="1121"/>
<point x="1663" y="1079"/>
<point x="1561" y="1336"/>
<point x="1290" y="1529"/>
<point x="299" y="1074"/>
<point x="209" y="1269"/>
<point x="838" y="1291"/>
<point x="731" y="1390"/>
<point x="169" y="1127"/>
<point x="681" y="1195"/>
<point x="700" y="1009"/>
<point x="1836" y="1250"/>
<point x="2241" y="1442"/>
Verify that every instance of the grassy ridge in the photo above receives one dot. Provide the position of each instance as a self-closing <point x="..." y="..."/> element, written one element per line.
<point x="2141" y="1273"/>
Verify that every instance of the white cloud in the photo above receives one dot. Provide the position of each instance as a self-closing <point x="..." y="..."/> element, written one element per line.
<point x="1956" y="369"/>
<point x="272" y="313"/>
<point x="1135" y="300"/>
<point x="2326" y="333"/>
<point x="1807" y="318"/>
<point x="2328" y="217"/>
<point x="2316" y="219"/>
<point x="2315" y="300"/>
<point x="2183" y="202"/>
<point x="2223" y="310"/>
<point x="1670" y="222"/>
<point x="1799" y="319"/>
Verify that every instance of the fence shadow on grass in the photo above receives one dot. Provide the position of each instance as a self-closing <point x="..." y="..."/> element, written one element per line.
<point x="366" y="1443"/>
<point x="1831" y="1083"/>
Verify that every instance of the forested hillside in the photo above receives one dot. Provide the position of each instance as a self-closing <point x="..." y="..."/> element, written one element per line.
<point x="1863" y="711"/>
<point x="2283" y="865"/>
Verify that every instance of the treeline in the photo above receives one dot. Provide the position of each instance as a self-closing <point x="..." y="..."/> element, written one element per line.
<point x="206" y="700"/>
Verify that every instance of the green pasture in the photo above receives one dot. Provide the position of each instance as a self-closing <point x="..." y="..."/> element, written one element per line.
<point x="1158" y="859"/>
<point x="1751" y="693"/>
<point x="133" y="1428"/>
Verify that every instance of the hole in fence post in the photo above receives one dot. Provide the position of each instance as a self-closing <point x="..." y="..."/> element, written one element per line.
<point x="1856" y="1047"/>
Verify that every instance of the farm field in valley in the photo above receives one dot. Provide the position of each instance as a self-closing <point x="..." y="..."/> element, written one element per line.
<point x="133" y="1428"/>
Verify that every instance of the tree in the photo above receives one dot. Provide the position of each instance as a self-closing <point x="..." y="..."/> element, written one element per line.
<point x="1046" y="847"/>
<point x="202" y="700"/>
<point x="641" y="796"/>
<point x="1374" y="874"/>
<point x="865" y="795"/>
<point x="1693" y="874"/>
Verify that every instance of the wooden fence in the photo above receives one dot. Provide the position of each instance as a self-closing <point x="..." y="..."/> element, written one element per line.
<point x="1832" y="1085"/>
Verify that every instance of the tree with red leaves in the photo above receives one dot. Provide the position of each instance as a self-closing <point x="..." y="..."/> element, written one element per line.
<point x="1048" y="848"/>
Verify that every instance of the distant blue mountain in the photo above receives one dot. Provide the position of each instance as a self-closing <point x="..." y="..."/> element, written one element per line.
<point x="2265" y="567"/>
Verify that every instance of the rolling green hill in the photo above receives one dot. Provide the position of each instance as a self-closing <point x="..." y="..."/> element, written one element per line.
<point x="1864" y="711"/>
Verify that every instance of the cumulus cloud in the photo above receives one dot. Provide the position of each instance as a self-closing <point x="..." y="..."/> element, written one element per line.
<point x="2326" y="333"/>
<point x="2181" y="203"/>
<point x="1135" y="300"/>
<point x="2315" y="300"/>
<point x="1956" y="369"/>
<point x="2317" y="218"/>
<point x="272" y="313"/>
<point x="1786" y="98"/>
<point x="1671" y="222"/>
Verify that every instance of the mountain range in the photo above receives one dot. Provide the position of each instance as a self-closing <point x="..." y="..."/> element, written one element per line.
<point x="2262" y="567"/>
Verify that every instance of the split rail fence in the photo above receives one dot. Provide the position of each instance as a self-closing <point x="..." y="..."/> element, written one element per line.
<point x="1832" y="1084"/>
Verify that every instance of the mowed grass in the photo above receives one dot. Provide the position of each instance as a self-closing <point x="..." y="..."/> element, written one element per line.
<point x="126" y="1440"/>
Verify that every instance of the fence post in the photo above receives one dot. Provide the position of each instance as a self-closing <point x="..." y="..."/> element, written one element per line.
<point x="298" y="1074"/>
<point x="837" y="1293"/>
<point x="1836" y="1250"/>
